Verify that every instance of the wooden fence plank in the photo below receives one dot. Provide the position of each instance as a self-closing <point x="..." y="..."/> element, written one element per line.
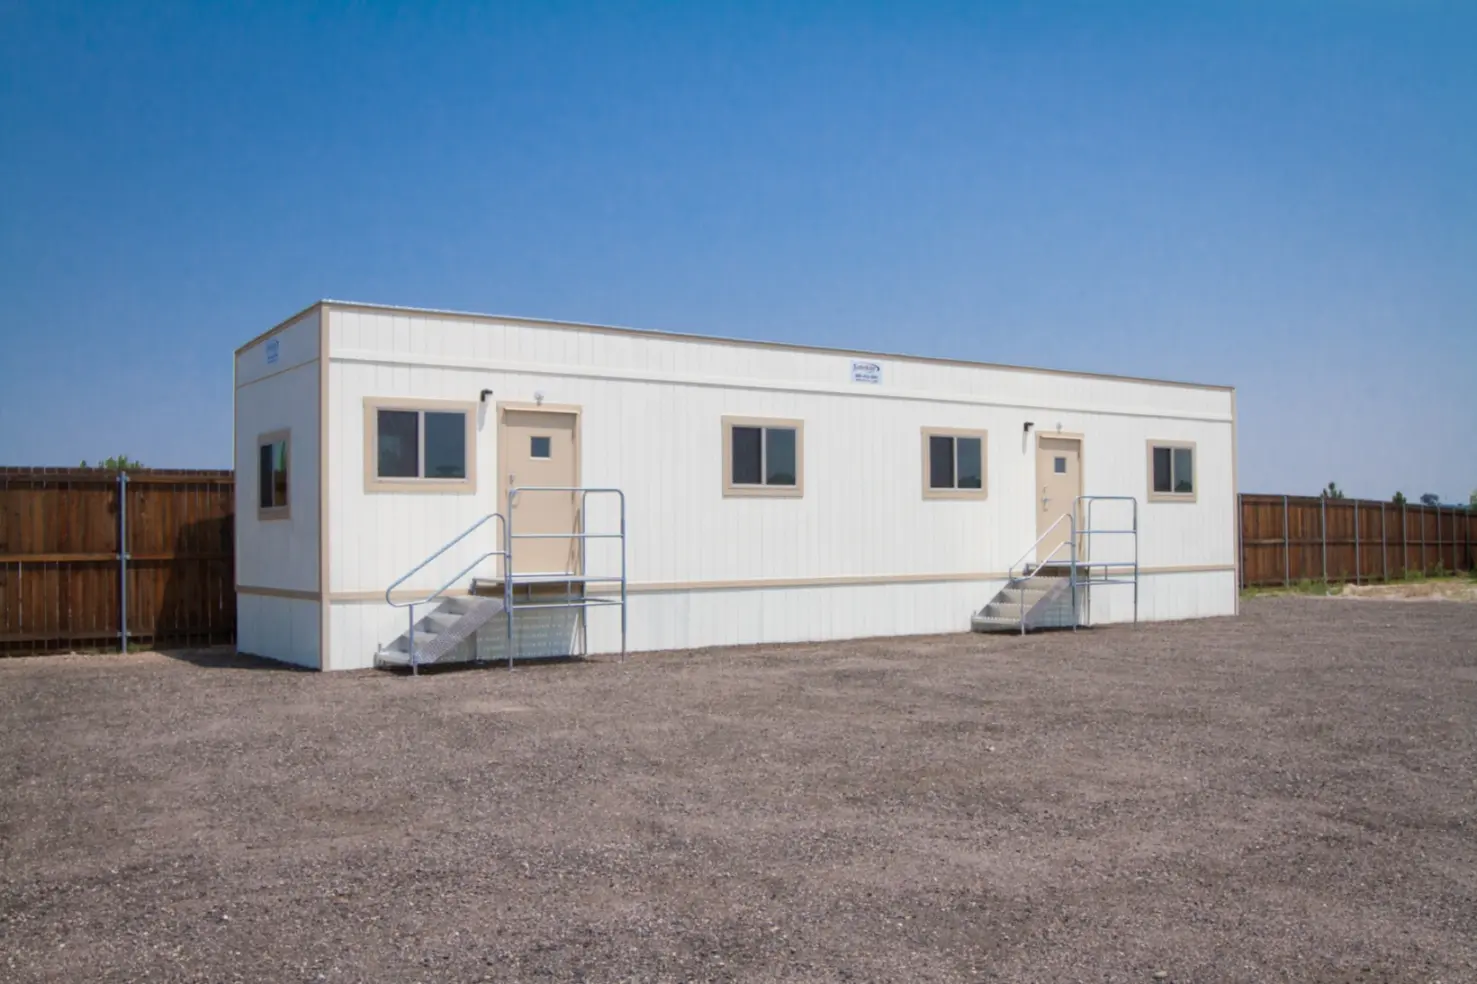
<point x="59" y="570"/>
<point x="1361" y="540"/>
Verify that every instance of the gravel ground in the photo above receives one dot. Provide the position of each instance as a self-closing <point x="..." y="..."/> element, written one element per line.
<point x="1287" y="796"/>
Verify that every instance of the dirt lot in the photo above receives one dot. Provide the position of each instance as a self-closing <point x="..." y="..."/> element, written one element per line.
<point x="1288" y="796"/>
<point x="1451" y="589"/>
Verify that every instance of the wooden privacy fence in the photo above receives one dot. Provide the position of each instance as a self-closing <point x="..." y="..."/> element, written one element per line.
<point x="72" y="562"/>
<point x="1286" y="539"/>
<point x="82" y="548"/>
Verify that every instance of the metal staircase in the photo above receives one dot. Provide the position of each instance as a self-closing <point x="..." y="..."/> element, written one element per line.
<point x="447" y="634"/>
<point x="1049" y="592"/>
<point x="437" y="636"/>
<point x="1035" y="602"/>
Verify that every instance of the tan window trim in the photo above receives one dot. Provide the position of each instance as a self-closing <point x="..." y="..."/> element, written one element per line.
<point x="983" y="492"/>
<point x="1194" y="492"/>
<point x="426" y="486"/>
<point x="269" y="513"/>
<point x="730" y="490"/>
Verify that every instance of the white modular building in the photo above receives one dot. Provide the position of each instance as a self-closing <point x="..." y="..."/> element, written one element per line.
<point x="419" y="486"/>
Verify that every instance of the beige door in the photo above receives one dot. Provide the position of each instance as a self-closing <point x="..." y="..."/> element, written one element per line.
<point x="541" y="448"/>
<point x="1058" y="483"/>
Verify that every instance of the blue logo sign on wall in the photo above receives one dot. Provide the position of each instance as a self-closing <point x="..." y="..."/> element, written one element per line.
<point x="865" y="372"/>
<point x="272" y="351"/>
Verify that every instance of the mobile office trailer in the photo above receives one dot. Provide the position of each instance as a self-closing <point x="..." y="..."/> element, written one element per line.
<point x="748" y="492"/>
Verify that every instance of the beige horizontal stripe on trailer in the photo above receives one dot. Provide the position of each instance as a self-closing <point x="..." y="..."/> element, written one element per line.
<point x="405" y="594"/>
<point x="251" y="589"/>
<point x="652" y="587"/>
<point x="831" y="582"/>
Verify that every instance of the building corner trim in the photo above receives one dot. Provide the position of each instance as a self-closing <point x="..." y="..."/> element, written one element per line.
<point x="324" y="608"/>
<point x="1239" y="549"/>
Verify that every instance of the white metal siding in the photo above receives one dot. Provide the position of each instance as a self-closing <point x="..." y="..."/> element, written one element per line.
<point x="684" y="620"/>
<point x="406" y="337"/>
<point x="279" y="553"/>
<point x="693" y="619"/>
<point x="1164" y="597"/>
<point x="675" y="620"/>
<point x="284" y="629"/>
<point x="651" y="425"/>
<point x="376" y="537"/>
<point x="297" y="344"/>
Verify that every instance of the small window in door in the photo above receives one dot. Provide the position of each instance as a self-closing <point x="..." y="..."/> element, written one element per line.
<point x="954" y="464"/>
<point x="1059" y="465"/>
<point x="540" y="447"/>
<point x="1171" y="472"/>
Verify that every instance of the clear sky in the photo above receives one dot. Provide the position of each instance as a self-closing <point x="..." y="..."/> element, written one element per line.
<point x="1281" y="196"/>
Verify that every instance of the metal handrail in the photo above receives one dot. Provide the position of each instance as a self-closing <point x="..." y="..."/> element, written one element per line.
<point x="1021" y="560"/>
<point x="411" y="605"/>
<point x="1133" y="532"/>
<point x="571" y="576"/>
<point x="1081" y="505"/>
<point x="1027" y="573"/>
<point x="452" y="580"/>
<point x="445" y="547"/>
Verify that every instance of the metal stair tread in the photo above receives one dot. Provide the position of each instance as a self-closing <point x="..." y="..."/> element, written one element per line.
<point x="1019" y="605"/>
<point x="461" y="617"/>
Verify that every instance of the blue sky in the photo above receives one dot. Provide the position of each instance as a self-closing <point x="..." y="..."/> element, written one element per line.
<point x="1280" y="195"/>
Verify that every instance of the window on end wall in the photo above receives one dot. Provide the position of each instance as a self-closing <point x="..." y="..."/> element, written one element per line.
<point x="271" y="476"/>
<point x="1171" y="471"/>
<point x="954" y="463"/>
<point x="426" y="447"/>
<point x="763" y="457"/>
